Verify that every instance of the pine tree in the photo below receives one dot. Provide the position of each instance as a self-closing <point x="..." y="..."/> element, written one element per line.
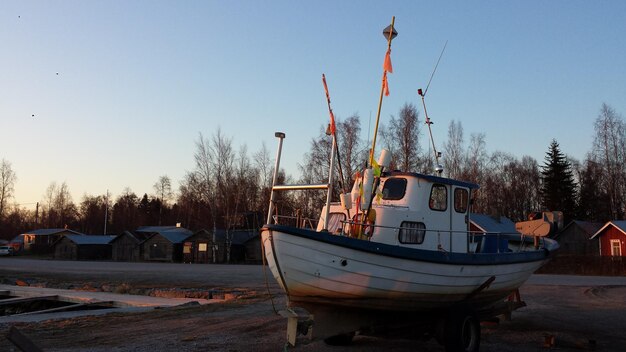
<point x="558" y="189"/>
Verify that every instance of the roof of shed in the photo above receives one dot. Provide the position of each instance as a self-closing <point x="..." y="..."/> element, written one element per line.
<point x="44" y="232"/>
<point x="91" y="239"/>
<point x="488" y="223"/>
<point x="619" y="224"/>
<point x="173" y="236"/>
<point x="590" y="228"/>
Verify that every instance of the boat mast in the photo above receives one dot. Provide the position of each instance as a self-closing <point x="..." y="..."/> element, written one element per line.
<point x="389" y="33"/>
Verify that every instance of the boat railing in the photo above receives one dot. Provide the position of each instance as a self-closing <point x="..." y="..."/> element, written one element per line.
<point x="477" y="241"/>
<point x="295" y="221"/>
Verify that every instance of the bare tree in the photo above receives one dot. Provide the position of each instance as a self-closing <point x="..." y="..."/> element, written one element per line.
<point x="609" y="150"/>
<point x="453" y="150"/>
<point x="402" y="138"/>
<point x="350" y="147"/>
<point x="163" y="189"/>
<point x="61" y="210"/>
<point x="475" y="159"/>
<point x="7" y="183"/>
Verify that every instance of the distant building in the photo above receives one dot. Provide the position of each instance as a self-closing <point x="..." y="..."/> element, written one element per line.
<point x="487" y="229"/>
<point x="163" y="243"/>
<point x="82" y="247"/>
<point x="203" y="247"/>
<point x="41" y="240"/>
<point x="612" y="239"/>
<point x="491" y="224"/>
<point x="245" y="246"/>
<point x="127" y="246"/>
<point x="574" y="239"/>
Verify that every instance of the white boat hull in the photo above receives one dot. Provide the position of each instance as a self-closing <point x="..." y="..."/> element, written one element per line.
<point x="318" y="272"/>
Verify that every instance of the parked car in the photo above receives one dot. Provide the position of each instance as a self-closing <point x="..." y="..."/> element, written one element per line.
<point x="6" y="250"/>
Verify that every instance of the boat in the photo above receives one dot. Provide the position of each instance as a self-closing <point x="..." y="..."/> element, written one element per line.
<point x="398" y="247"/>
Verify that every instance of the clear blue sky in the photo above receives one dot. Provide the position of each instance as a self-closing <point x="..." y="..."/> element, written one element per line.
<point x="139" y="80"/>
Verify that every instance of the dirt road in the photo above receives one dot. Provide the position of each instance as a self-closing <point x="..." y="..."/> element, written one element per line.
<point x="581" y="313"/>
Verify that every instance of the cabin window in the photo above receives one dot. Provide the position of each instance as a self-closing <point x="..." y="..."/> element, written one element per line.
<point x="461" y="197"/>
<point x="335" y="222"/>
<point x="616" y="248"/>
<point x="412" y="232"/>
<point x="438" y="198"/>
<point x="394" y="188"/>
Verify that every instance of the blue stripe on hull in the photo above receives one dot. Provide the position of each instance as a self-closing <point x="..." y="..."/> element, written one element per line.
<point x="419" y="254"/>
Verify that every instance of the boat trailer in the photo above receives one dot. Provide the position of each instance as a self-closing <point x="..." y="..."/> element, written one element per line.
<point x="457" y="328"/>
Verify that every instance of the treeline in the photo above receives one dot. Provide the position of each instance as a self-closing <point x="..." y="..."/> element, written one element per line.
<point x="229" y="188"/>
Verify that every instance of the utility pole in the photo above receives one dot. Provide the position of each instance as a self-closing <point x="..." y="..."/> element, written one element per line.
<point x="106" y="212"/>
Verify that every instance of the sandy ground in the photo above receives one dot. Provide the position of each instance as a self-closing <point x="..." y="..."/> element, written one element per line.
<point x="581" y="313"/>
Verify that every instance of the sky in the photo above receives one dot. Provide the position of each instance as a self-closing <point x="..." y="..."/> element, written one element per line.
<point x="105" y="95"/>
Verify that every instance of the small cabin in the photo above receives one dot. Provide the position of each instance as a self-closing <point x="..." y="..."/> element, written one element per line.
<point x="200" y="248"/>
<point x="612" y="239"/>
<point x="127" y="247"/>
<point x="83" y="247"/>
<point x="574" y="239"/>
<point x="40" y="241"/>
<point x="165" y="246"/>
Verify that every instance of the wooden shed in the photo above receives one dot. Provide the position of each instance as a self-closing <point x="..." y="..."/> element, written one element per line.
<point x="127" y="247"/>
<point x="203" y="247"/>
<point x="245" y="246"/>
<point x="574" y="239"/>
<point x="165" y="246"/>
<point x="82" y="247"/>
<point x="40" y="241"/>
<point x="612" y="239"/>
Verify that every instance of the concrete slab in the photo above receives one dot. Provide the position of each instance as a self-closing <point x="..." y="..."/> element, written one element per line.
<point x="120" y="302"/>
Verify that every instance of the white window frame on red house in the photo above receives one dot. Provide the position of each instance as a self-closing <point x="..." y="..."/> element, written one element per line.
<point x="616" y="248"/>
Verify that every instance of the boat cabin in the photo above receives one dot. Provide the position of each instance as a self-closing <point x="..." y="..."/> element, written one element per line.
<point x="411" y="210"/>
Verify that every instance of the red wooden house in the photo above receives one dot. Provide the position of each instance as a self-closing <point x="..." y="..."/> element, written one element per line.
<point x="612" y="239"/>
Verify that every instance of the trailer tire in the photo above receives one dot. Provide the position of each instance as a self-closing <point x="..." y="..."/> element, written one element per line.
<point x="462" y="332"/>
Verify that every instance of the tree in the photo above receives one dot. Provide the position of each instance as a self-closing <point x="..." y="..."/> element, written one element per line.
<point x="558" y="189"/>
<point x="125" y="212"/>
<point x="92" y="211"/>
<point x="7" y="183"/>
<point x="609" y="150"/>
<point x="163" y="189"/>
<point x="60" y="210"/>
<point x="475" y="159"/>
<point x="350" y="148"/>
<point x="401" y="137"/>
<point x="593" y="202"/>
<point x="453" y="150"/>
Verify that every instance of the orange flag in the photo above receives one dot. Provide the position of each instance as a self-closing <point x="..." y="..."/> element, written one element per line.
<point x="385" y="84"/>
<point x="387" y="65"/>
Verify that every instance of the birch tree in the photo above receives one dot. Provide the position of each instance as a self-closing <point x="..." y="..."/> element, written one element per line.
<point x="7" y="184"/>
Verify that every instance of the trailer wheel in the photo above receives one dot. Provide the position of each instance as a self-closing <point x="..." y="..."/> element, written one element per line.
<point x="462" y="332"/>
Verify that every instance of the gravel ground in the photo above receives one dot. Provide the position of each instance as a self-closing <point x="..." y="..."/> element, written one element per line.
<point x="579" y="313"/>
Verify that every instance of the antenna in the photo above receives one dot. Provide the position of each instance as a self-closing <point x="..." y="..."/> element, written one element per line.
<point x="435" y="69"/>
<point x="438" y="167"/>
